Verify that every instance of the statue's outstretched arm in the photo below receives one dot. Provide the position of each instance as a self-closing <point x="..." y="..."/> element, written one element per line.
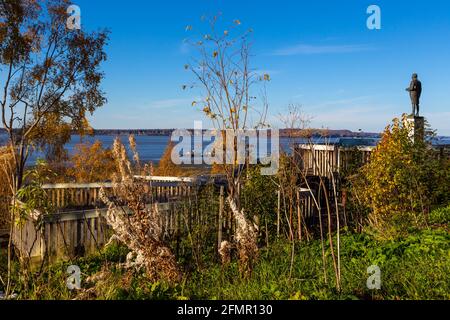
<point x="412" y="87"/>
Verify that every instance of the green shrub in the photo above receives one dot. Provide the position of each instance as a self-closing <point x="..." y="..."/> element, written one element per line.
<point x="440" y="216"/>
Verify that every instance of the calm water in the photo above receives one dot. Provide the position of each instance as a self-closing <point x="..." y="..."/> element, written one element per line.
<point x="151" y="148"/>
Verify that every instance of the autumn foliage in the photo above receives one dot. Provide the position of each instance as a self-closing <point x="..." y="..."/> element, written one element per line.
<point x="166" y="167"/>
<point x="92" y="163"/>
<point x="401" y="182"/>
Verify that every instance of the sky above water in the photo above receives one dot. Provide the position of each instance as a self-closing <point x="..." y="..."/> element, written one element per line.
<point x="319" y="54"/>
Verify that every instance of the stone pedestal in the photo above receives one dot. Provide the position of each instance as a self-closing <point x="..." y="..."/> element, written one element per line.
<point x="417" y="128"/>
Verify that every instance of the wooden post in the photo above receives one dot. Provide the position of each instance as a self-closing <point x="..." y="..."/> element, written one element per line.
<point x="278" y="213"/>
<point x="220" y="224"/>
<point x="299" y="216"/>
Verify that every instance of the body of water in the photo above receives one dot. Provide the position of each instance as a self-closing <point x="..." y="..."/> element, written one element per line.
<point x="151" y="148"/>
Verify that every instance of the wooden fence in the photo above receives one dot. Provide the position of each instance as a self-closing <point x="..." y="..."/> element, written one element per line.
<point x="78" y="226"/>
<point x="76" y="195"/>
<point x="325" y="160"/>
<point x="62" y="236"/>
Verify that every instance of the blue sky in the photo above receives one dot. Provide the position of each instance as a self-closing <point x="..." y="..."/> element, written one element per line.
<point x="320" y="54"/>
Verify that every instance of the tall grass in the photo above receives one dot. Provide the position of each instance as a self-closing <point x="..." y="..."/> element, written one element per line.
<point x="413" y="267"/>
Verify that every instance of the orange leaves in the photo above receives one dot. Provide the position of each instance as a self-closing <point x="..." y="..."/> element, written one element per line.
<point x="166" y="167"/>
<point x="92" y="163"/>
<point x="48" y="63"/>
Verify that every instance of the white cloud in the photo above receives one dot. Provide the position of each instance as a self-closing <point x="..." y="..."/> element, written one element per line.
<point x="309" y="49"/>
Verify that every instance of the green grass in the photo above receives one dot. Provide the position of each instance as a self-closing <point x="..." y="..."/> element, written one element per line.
<point x="414" y="267"/>
<point x="440" y="216"/>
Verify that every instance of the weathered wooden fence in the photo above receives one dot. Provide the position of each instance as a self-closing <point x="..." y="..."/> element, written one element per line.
<point x="188" y="213"/>
<point x="75" y="195"/>
<point x="78" y="225"/>
<point x="324" y="160"/>
<point x="62" y="236"/>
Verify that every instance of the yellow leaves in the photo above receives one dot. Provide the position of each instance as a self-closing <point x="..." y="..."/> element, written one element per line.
<point x="194" y="103"/>
<point x="92" y="163"/>
<point x="207" y="110"/>
<point x="394" y="183"/>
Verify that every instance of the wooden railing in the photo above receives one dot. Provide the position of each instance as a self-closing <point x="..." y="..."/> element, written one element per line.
<point x="87" y="195"/>
<point x="324" y="160"/>
<point x="80" y="227"/>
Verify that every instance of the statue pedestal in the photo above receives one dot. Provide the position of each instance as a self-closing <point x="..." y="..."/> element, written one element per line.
<point x="417" y="128"/>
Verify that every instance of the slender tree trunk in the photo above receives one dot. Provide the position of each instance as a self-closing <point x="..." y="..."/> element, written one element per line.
<point x="330" y="236"/>
<point x="10" y="244"/>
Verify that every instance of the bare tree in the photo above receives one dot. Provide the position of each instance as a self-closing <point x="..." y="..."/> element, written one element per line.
<point x="222" y="70"/>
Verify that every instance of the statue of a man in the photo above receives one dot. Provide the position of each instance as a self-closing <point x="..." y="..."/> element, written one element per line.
<point x="415" y="91"/>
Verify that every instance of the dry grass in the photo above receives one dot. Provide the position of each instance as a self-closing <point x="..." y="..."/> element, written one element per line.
<point x="225" y="253"/>
<point x="246" y="240"/>
<point x="6" y="169"/>
<point x="136" y="223"/>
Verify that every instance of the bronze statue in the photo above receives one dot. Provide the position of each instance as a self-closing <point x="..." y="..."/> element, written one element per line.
<point x="415" y="91"/>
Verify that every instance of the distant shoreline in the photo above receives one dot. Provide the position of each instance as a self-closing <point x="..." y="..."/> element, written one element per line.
<point x="283" y="133"/>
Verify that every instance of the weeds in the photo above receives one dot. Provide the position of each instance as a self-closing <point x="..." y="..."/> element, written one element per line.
<point x="413" y="267"/>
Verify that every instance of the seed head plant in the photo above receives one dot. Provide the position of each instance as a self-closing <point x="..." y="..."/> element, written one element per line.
<point x="136" y="221"/>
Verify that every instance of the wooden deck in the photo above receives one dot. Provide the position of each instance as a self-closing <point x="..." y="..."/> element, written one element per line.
<point x="325" y="160"/>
